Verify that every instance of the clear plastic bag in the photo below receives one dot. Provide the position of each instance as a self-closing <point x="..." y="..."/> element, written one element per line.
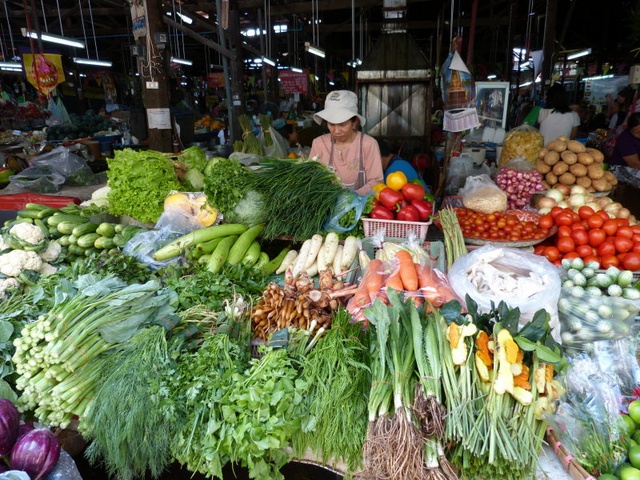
<point x="246" y="159"/>
<point x="523" y="141"/>
<point x="522" y="279"/>
<point x="585" y="318"/>
<point x="65" y="469"/>
<point x="481" y="194"/>
<point x="279" y="146"/>
<point x="73" y="168"/>
<point x="346" y="212"/>
<point x="38" y="179"/>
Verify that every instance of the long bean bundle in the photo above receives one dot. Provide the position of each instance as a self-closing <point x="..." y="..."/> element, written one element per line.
<point x="298" y="196"/>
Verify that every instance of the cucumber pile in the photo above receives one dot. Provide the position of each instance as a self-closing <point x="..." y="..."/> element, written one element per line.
<point x="596" y="304"/>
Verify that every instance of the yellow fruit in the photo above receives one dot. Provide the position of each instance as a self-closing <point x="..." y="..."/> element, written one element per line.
<point x="396" y="180"/>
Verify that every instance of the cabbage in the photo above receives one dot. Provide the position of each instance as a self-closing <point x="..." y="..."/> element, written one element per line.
<point x="194" y="157"/>
<point x="249" y="210"/>
<point x="196" y="178"/>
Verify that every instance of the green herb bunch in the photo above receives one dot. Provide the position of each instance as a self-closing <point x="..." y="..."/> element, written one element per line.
<point x="225" y="183"/>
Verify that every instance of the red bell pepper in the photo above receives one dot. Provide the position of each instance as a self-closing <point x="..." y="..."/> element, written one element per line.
<point x="412" y="191"/>
<point x="425" y="209"/>
<point x="390" y="198"/>
<point x="408" y="214"/>
<point x="382" y="213"/>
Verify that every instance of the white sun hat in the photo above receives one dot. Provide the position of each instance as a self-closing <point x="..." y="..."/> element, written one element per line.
<point x="339" y="106"/>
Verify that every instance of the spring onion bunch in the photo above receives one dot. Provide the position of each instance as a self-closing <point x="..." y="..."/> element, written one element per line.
<point x="59" y="357"/>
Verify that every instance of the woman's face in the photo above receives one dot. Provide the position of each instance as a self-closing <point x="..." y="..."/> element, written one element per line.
<point x="635" y="131"/>
<point x="341" y="131"/>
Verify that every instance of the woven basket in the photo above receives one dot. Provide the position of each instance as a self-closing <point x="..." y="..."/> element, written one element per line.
<point x="569" y="463"/>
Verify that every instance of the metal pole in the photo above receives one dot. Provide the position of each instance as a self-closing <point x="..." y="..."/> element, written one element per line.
<point x="225" y="69"/>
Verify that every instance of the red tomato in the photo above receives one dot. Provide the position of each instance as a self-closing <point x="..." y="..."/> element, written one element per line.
<point x="582" y="225"/>
<point x="607" y="248"/>
<point x="539" y="249"/>
<point x="595" y="221"/>
<point x="552" y="253"/>
<point x="571" y="255"/>
<point x="555" y="211"/>
<point x="622" y="222"/>
<point x="575" y="217"/>
<point x="636" y="247"/>
<point x="566" y="244"/>
<point x="636" y="238"/>
<point x="546" y="222"/>
<point x="585" y="250"/>
<point x="564" y="231"/>
<point x="609" y="261"/>
<point x="591" y="258"/>
<point x="585" y="212"/>
<point x="564" y="218"/>
<point x="635" y="228"/>
<point x="610" y="227"/>
<point x="596" y="237"/>
<point x="581" y="237"/>
<point x="624" y="231"/>
<point x="622" y="244"/>
<point x="631" y="261"/>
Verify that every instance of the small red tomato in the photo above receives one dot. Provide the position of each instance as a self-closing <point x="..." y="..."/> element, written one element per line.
<point x="555" y="211"/>
<point x="609" y="261"/>
<point x="564" y="231"/>
<point x="624" y="231"/>
<point x="604" y="215"/>
<point x="564" y="218"/>
<point x="585" y="212"/>
<point x="606" y="248"/>
<point x="546" y="222"/>
<point x="622" y="222"/>
<point x="610" y="227"/>
<point x="581" y="237"/>
<point x="595" y="221"/>
<point x="566" y="244"/>
<point x="623" y="245"/>
<point x="596" y="237"/>
<point x="631" y="261"/>
<point x="585" y="250"/>
<point x="552" y="253"/>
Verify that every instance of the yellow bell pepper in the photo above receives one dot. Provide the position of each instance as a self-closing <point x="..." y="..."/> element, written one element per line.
<point x="396" y="180"/>
<point x="376" y="189"/>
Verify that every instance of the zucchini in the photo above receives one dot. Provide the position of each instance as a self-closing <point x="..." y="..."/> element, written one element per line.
<point x="252" y="255"/>
<point x="87" y="240"/>
<point x="106" y="229"/>
<point x="84" y="228"/>
<point x="206" y="248"/>
<point x="220" y="254"/>
<point x="262" y="262"/>
<point x="271" y="266"/>
<point x="104" y="243"/>
<point x="244" y="241"/>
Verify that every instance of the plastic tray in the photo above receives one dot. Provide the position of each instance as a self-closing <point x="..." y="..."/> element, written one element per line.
<point x="395" y="228"/>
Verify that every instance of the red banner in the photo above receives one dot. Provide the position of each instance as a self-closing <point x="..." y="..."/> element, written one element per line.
<point x="293" y="82"/>
<point x="216" y="79"/>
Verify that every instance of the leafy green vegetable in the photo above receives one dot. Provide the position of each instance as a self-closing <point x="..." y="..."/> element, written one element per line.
<point x="249" y="210"/>
<point x="225" y="183"/>
<point x="194" y="157"/>
<point x="140" y="181"/>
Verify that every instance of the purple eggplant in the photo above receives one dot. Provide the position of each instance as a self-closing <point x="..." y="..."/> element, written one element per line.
<point x="9" y="425"/>
<point x="36" y="452"/>
<point x="25" y="427"/>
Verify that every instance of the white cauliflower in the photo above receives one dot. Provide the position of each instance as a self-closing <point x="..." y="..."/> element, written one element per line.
<point x="12" y="264"/>
<point x="3" y="245"/>
<point x="52" y="252"/>
<point x="28" y="232"/>
<point x="7" y="284"/>
<point x="47" y="269"/>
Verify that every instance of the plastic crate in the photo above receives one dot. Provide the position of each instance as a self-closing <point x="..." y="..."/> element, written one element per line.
<point x="395" y="228"/>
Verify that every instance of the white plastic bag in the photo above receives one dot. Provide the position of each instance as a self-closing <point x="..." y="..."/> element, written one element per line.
<point x="522" y="279"/>
<point x="482" y="195"/>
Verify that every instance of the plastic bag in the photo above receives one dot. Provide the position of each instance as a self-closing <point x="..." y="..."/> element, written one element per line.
<point x="585" y="318"/>
<point x="278" y="148"/>
<point x="481" y="194"/>
<point x="346" y="213"/>
<point x="65" y="469"/>
<point x="522" y="279"/>
<point x="72" y="167"/>
<point x="38" y="179"/>
<point x="246" y="159"/>
<point x="459" y="169"/>
<point x="523" y="141"/>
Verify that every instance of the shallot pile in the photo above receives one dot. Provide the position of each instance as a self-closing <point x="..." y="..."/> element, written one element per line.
<point x="519" y="186"/>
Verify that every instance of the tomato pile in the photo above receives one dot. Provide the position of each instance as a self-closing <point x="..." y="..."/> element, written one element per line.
<point x="497" y="226"/>
<point x="592" y="236"/>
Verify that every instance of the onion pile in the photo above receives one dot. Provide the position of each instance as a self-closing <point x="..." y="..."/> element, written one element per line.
<point x="519" y="186"/>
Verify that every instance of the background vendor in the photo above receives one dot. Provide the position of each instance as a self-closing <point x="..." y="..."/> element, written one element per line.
<point x="392" y="162"/>
<point x="352" y="154"/>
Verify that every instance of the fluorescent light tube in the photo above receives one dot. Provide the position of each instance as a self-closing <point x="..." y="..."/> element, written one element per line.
<point x="17" y="65"/>
<point x="314" y="50"/>
<point x="268" y="61"/>
<point x="52" y="38"/>
<point x="296" y="69"/>
<point x="181" y="61"/>
<point x="579" y="54"/>
<point x="90" y="61"/>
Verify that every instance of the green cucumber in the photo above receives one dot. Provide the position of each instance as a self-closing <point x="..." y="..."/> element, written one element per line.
<point x="64" y="241"/>
<point x="206" y="248"/>
<point x="66" y="227"/>
<point x="76" y="250"/>
<point x="106" y="229"/>
<point x="239" y="249"/>
<point x="181" y="244"/>
<point x="220" y="254"/>
<point x="104" y="243"/>
<point x="87" y="240"/>
<point x="273" y="265"/>
<point x="84" y="228"/>
<point x="252" y="255"/>
<point x="57" y="218"/>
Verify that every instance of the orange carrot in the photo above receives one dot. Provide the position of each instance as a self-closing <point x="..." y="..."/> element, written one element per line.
<point x="373" y="280"/>
<point x="407" y="270"/>
<point x="394" y="281"/>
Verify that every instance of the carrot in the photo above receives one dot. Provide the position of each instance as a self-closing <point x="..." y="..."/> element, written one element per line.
<point x="373" y="280"/>
<point x="408" y="272"/>
<point x="394" y="281"/>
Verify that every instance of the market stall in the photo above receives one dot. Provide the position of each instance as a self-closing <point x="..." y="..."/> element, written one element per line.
<point x="227" y="319"/>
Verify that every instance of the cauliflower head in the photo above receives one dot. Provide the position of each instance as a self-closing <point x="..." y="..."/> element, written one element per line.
<point x="52" y="252"/>
<point x="12" y="264"/>
<point x="28" y="233"/>
<point x="7" y="284"/>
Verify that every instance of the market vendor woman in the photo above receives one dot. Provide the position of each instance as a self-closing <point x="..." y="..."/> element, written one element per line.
<point x="355" y="156"/>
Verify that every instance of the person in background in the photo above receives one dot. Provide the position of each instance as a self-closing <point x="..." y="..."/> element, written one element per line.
<point x="289" y="133"/>
<point x="620" y="107"/>
<point x="392" y="162"/>
<point x="624" y="163"/>
<point x="352" y="154"/>
<point x="557" y="118"/>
